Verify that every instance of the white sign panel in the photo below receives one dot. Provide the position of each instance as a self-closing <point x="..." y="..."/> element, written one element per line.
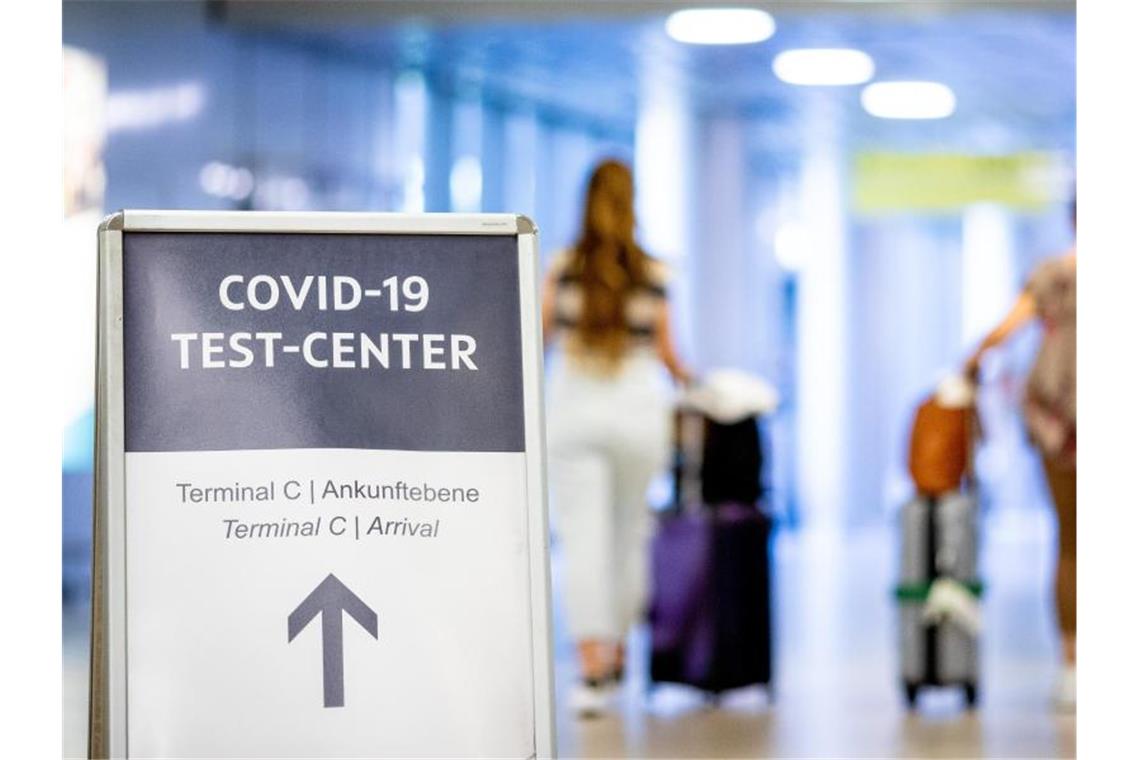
<point x="321" y="528"/>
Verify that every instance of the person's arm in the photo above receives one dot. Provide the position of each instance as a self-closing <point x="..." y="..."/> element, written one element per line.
<point x="666" y="350"/>
<point x="1024" y="309"/>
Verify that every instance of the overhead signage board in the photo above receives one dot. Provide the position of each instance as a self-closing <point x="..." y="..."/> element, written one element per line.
<point x="887" y="183"/>
<point x="320" y="506"/>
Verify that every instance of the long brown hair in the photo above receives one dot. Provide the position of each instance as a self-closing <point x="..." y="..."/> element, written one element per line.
<point x="607" y="260"/>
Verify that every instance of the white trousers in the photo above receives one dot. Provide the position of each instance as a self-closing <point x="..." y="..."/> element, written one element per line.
<point x="608" y="437"/>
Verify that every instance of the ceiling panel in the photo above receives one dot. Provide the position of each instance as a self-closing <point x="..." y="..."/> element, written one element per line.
<point x="1011" y="65"/>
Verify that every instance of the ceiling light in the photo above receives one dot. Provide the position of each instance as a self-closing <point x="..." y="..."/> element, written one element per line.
<point x="720" y="26"/>
<point x="908" y="100"/>
<point x="824" y="66"/>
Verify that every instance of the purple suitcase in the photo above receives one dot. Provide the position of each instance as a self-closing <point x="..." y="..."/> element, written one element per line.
<point x="709" y="614"/>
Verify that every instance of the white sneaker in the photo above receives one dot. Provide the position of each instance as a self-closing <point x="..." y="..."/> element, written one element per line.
<point x="589" y="700"/>
<point x="1065" y="690"/>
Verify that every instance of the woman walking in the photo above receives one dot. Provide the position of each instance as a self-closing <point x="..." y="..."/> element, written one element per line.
<point x="605" y="303"/>
<point x="1050" y="407"/>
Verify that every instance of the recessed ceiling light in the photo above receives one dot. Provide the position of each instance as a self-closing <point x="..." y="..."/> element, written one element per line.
<point x="720" y="26"/>
<point x="908" y="100"/>
<point x="824" y="66"/>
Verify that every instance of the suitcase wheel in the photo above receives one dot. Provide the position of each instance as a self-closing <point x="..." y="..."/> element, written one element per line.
<point x="971" y="691"/>
<point x="910" y="690"/>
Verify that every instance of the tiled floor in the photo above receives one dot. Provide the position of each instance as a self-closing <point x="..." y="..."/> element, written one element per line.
<point x="836" y="690"/>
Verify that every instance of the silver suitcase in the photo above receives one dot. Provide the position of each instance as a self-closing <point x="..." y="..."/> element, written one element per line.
<point x="939" y="541"/>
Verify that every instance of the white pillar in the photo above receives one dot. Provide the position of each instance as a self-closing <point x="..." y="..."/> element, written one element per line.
<point x="736" y="286"/>
<point x="410" y="102"/>
<point x="465" y="174"/>
<point x="822" y="371"/>
<point x="663" y="156"/>
<point x="988" y="284"/>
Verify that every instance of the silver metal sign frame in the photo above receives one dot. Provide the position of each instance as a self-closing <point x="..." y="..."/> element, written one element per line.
<point x="107" y="728"/>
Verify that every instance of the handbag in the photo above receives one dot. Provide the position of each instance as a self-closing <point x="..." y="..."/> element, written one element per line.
<point x="940" y="446"/>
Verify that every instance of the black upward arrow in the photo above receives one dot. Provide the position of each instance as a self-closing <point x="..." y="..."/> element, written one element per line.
<point x="329" y="599"/>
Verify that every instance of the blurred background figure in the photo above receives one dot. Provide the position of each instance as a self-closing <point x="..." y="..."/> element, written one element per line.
<point x="606" y="301"/>
<point x="847" y="196"/>
<point x="1050" y="408"/>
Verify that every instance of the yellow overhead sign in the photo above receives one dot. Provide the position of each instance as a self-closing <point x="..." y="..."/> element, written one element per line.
<point x="943" y="182"/>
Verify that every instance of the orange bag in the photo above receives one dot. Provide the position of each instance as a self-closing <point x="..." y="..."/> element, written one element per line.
<point x="940" y="447"/>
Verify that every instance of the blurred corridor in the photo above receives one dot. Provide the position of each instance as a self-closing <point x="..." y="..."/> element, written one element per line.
<point x="848" y="258"/>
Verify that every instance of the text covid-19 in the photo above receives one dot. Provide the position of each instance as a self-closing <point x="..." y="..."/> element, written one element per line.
<point x="320" y="349"/>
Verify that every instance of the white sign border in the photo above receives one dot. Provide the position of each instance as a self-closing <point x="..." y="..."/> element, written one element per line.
<point x="107" y="727"/>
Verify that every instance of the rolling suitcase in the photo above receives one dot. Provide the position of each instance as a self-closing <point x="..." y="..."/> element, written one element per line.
<point x="939" y="548"/>
<point x="710" y="612"/>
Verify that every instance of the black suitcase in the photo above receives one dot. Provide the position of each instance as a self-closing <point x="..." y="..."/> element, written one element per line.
<point x="710" y="614"/>
<point x="710" y="609"/>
